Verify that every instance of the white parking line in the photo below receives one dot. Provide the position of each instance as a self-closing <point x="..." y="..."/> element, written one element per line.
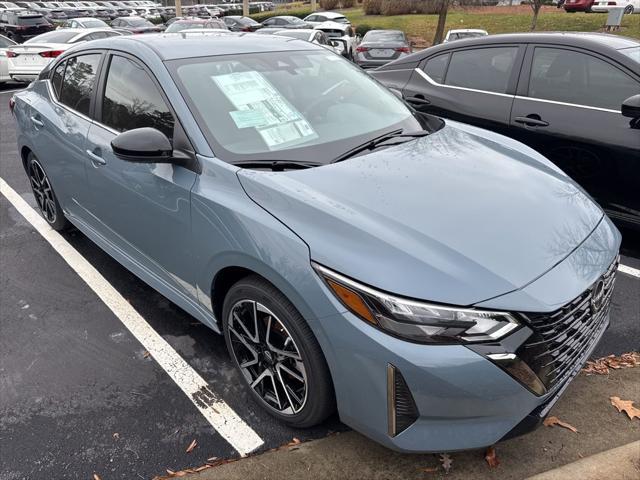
<point x="634" y="272"/>
<point x="226" y="422"/>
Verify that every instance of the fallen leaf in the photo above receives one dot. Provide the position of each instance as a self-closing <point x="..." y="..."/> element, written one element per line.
<point x="96" y="476"/>
<point x="602" y="365"/>
<point x="491" y="458"/>
<point x="446" y="462"/>
<point x="429" y="469"/>
<point x="212" y="459"/>
<point x="116" y="435"/>
<point x="625" y="406"/>
<point x="551" y="421"/>
<point x="146" y="354"/>
<point x="192" y="445"/>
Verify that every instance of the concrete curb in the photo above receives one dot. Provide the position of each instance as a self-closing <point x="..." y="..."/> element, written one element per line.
<point x="622" y="463"/>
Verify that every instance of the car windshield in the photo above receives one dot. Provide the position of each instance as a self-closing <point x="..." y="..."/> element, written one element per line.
<point x="31" y="20"/>
<point x="631" y="52"/>
<point x="293" y="19"/>
<point x="383" y="37"/>
<point x="247" y="21"/>
<point x="57" y="36"/>
<point x="94" y="24"/>
<point x="302" y="105"/>
<point x="139" y="22"/>
<point x="180" y="26"/>
<point x="461" y="35"/>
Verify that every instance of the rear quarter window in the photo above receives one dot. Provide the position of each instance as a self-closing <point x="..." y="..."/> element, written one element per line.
<point x="436" y="67"/>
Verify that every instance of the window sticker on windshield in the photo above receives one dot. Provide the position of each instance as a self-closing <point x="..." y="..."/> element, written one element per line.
<point x="258" y="104"/>
<point x="248" y="118"/>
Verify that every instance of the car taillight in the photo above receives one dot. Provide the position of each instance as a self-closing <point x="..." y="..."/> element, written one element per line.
<point x="246" y="29"/>
<point x="11" y="54"/>
<point x="51" y="53"/>
<point x="362" y="49"/>
<point x="403" y="49"/>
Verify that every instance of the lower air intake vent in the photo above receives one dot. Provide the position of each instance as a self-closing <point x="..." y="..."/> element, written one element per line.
<point x="401" y="408"/>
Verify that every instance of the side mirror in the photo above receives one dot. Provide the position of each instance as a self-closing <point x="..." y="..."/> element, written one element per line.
<point x="339" y="45"/>
<point x="144" y="145"/>
<point x="631" y="107"/>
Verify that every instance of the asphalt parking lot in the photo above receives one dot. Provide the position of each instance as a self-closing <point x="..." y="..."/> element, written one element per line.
<point x="80" y="394"/>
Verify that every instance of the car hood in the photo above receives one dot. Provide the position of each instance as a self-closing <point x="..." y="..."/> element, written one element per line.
<point x="458" y="217"/>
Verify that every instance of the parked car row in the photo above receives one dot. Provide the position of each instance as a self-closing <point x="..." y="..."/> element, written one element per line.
<point x="601" y="6"/>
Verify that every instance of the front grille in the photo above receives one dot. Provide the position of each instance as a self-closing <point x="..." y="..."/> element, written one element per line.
<point x="561" y="339"/>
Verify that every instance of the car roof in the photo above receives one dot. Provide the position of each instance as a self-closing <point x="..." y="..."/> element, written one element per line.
<point x="332" y="26"/>
<point x="329" y="14"/>
<point x="578" y="39"/>
<point x="467" y="30"/>
<point x="168" y="46"/>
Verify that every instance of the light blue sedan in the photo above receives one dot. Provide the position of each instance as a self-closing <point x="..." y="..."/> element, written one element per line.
<point x="438" y="284"/>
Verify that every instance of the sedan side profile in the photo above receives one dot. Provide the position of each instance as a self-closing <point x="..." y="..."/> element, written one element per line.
<point x="437" y="283"/>
<point x="574" y="97"/>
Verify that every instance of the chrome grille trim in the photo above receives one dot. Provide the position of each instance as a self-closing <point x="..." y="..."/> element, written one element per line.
<point x="562" y="338"/>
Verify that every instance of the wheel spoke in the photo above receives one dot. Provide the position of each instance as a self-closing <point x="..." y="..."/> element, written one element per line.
<point x="268" y="357"/>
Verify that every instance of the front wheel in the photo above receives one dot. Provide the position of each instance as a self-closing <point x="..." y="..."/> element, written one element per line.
<point x="45" y="197"/>
<point x="628" y="10"/>
<point x="276" y="353"/>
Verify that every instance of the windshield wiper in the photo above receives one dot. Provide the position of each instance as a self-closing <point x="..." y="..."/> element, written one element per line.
<point x="379" y="141"/>
<point x="276" y="165"/>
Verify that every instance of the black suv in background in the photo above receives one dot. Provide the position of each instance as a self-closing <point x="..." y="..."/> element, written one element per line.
<point x="574" y="97"/>
<point x="22" y="25"/>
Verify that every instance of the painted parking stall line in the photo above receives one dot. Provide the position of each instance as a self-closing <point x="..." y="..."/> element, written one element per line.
<point x="634" y="272"/>
<point x="217" y="412"/>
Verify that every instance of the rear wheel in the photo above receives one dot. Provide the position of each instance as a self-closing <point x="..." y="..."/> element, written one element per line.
<point x="276" y="353"/>
<point x="45" y="197"/>
<point x="629" y="9"/>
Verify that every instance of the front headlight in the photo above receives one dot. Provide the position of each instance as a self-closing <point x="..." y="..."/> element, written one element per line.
<point x="417" y="321"/>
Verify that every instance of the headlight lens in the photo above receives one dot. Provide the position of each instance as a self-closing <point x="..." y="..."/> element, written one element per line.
<point x="418" y="321"/>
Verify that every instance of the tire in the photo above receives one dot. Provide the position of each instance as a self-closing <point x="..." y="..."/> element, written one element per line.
<point x="628" y="10"/>
<point x="44" y="194"/>
<point x="289" y="374"/>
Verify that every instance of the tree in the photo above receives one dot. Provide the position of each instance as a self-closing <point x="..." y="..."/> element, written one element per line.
<point x="442" y="20"/>
<point x="536" y="5"/>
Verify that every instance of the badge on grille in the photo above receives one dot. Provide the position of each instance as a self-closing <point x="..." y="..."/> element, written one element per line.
<point x="597" y="296"/>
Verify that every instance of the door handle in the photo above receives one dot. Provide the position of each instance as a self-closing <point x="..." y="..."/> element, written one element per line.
<point x="531" y="121"/>
<point x="417" y="100"/>
<point x="37" y="122"/>
<point x="97" y="160"/>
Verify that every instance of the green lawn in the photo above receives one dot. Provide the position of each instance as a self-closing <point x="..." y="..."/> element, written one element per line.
<point x="495" y="20"/>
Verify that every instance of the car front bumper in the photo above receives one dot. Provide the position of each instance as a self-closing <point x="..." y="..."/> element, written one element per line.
<point x="463" y="400"/>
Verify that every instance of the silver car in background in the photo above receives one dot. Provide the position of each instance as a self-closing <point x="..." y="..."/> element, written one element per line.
<point x="379" y="47"/>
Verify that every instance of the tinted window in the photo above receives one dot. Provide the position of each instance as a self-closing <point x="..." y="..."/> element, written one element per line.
<point x="78" y="82"/>
<point x="5" y="42"/>
<point x="436" y="67"/>
<point x="30" y="21"/>
<point x="132" y="100"/>
<point x="573" y="77"/>
<point x="56" y="78"/>
<point x="482" y="68"/>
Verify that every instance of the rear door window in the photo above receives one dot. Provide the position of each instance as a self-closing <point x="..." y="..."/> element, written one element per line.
<point x="436" y="67"/>
<point x="79" y="81"/>
<point x="56" y="78"/>
<point x="572" y="77"/>
<point x="487" y="69"/>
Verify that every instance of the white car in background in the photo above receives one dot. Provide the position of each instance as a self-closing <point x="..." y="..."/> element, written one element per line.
<point x="340" y="31"/>
<point x="629" y="6"/>
<point x="27" y="60"/>
<point x="463" y="33"/>
<point x="310" y="35"/>
<point x="4" y="66"/>
<point x="84" y="22"/>
<point x="9" y="6"/>
<point x="318" y="18"/>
